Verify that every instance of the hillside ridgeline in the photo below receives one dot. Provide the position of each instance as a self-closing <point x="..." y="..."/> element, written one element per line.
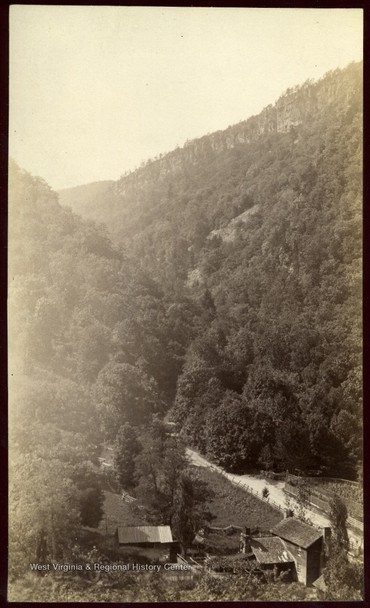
<point x="260" y="226"/>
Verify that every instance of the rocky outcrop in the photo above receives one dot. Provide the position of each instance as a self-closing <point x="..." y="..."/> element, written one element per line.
<point x="293" y="108"/>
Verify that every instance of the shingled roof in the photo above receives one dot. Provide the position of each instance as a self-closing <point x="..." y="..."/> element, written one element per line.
<point x="296" y="532"/>
<point x="136" y="535"/>
<point x="270" y="550"/>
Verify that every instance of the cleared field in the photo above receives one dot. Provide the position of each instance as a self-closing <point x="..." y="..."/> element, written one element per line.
<point x="229" y="505"/>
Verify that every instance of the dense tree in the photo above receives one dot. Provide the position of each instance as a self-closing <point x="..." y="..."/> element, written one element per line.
<point x="91" y="506"/>
<point x="127" y="448"/>
<point x="124" y="393"/>
<point x="164" y="486"/>
<point x="158" y="470"/>
<point x="344" y="580"/>
<point x="44" y="511"/>
<point x="230" y="437"/>
<point x="338" y="518"/>
<point x="189" y="513"/>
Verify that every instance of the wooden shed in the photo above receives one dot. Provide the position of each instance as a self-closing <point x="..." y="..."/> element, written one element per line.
<point x="305" y="543"/>
<point x="153" y="542"/>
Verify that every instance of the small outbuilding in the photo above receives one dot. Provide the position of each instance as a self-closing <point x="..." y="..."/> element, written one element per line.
<point x="153" y="542"/>
<point x="271" y="554"/>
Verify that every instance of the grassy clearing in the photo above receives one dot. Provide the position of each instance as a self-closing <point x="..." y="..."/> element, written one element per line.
<point x="230" y="505"/>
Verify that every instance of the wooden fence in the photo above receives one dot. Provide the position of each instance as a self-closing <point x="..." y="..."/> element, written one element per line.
<point x="318" y="480"/>
<point x="314" y="499"/>
<point x="354" y="508"/>
<point x="323" y="506"/>
<point x="317" y="503"/>
<point x="323" y="495"/>
<point x="274" y="476"/>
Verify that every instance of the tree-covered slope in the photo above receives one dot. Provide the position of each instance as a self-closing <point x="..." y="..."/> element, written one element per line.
<point x="93" y="344"/>
<point x="260" y="225"/>
<point x="275" y="379"/>
<point x="86" y="200"/>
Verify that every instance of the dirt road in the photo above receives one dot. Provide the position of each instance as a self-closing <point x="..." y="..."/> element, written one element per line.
<point x="276" y="492"/>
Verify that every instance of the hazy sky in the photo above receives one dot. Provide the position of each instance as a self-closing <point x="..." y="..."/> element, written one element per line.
<point x="96" y="90"/>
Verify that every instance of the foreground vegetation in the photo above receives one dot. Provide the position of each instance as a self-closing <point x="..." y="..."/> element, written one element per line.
<point x="155" y="588"/>
<point x="344" y="582"/>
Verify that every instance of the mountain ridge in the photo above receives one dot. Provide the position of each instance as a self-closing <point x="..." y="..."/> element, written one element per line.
<point x="292" y="108"/>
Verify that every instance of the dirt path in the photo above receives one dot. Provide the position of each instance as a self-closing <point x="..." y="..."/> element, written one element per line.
<point x="276" y="491"/>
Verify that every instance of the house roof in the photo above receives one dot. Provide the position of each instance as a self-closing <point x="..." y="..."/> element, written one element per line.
<point x="131" y="535"/>
<point x="270" y="550"/>
<point x="297" y="532"/>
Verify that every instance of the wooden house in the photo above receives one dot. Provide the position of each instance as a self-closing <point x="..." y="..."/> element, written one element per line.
<point x="306" y="546"/>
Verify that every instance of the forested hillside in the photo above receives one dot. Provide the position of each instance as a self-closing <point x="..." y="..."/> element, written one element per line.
<point x="223" y="293"/>
<point x="259" y="228"/>
<point x="94" y="344"/>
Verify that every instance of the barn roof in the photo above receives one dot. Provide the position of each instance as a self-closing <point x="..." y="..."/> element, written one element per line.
<point x="131" y="535"/>
<point x="270" y="550"/>
<point x="297" y="532"/>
